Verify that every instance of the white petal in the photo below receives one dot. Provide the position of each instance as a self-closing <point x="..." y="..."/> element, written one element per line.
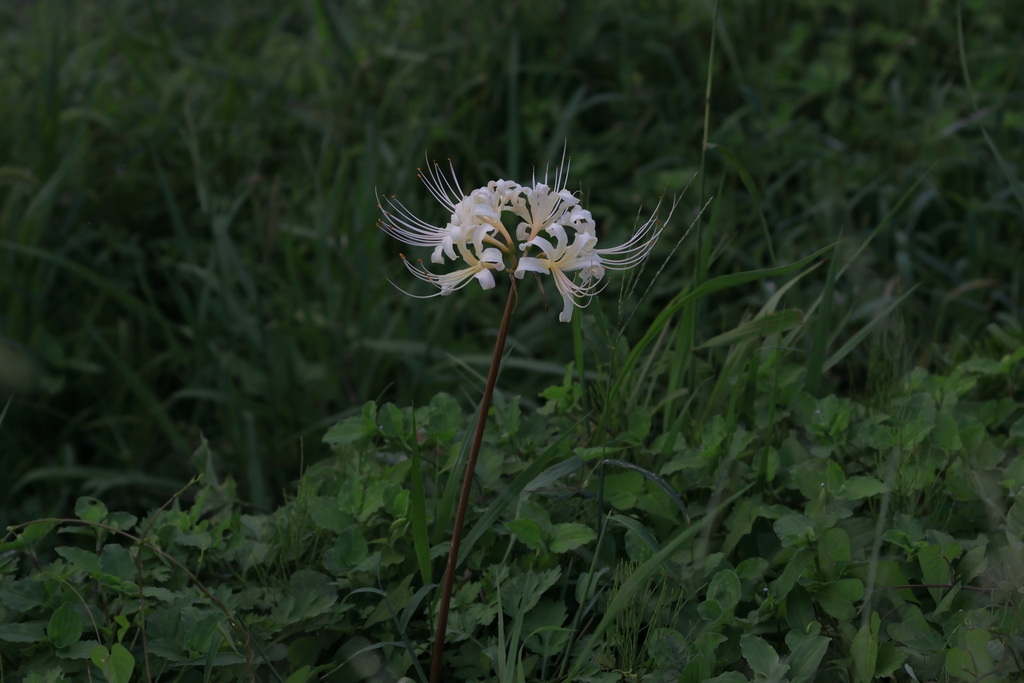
<point x="535" y="265"/>
<point x="485" y="278"/>
<point x="448" y="246"/>
<point x="493" y="256"/>
<point x="437" y="257"/>
<point x="545" y="246"/>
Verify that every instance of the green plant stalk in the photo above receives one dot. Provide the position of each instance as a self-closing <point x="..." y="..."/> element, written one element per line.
<point x="467" y="485"/>
<point x="687" y="324"/>
<point x="577" y="346"/>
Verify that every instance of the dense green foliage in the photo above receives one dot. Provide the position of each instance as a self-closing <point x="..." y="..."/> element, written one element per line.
<point x="187" y="200"/>
<point x="877" y="538"/>
<point x="788" y="448"/>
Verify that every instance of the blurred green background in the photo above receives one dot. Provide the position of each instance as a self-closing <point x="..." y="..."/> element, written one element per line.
<point x="187" y="201"/>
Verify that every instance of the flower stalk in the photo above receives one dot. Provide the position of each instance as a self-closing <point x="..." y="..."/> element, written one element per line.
<point x="555" y="236"/>
<point x="467" y="486"/>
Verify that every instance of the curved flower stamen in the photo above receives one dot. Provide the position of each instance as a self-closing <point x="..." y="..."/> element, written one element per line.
<point x="635" y="249"/>
<point x="450" y="282"/>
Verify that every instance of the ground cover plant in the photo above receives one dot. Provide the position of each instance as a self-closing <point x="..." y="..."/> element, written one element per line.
<point x="783" y="444"/>
<point x="849" y="539"/>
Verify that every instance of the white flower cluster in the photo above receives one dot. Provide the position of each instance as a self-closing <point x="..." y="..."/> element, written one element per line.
<point x="549" y="217"/>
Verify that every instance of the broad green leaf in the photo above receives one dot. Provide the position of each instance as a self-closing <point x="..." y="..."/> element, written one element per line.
<point x="834" y="547"/>
<point x="696" y="671"/>
<point x="946" y="434"/>
<point x="326" y="514"/>
<point x="445" y="417"/>
<point x="834" y="477"/>
<point x="349" y="550"/>
<point x="391" y="421"/>
<point x="915" y="632"/>
<point x="543" y="628"/>
<point x="82" y="559"/>
<point x="864" y="650"/>
<point x="889" y="659"/>
<point x="23" y="595"/>
<point x="761" y="656"/>
<point x="522" y="593"/>
<point x="299" y="676"/>
<point x="791" y="573"/>
<point x="90" y="509"/>
<point x="527" y="531"/>
<point x="799" y="608"/>
<point x="116" y="560"/>
<point x="725" y="588"/>
<point x="344" y="432"/>
<point x="794" y="529"/>
<point x="805" y="657"/>
<point x="875" y="436"/>
<point x="116" y="663"/>
<point x="569" y="536"/>
<point x="936" y="562"/>
<point x="972" y="661"/>
<point x="858" y="488"/>
<point x="65" y="626"/>
<point x="30" y="632"/>
<point x="620" y="490"/>
<point x="838" y="598"/>
<point x="54" y="675"/>
<point x="710" y="610"/>
<point x="350" y="496"/>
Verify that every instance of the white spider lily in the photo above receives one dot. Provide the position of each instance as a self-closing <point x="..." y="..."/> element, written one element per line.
<point x="583" y="258"/>
<point x="548" y="214"/>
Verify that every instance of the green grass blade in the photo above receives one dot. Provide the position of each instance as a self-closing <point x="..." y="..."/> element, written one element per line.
<point x="748" y="182"/>
<point x="812" y="381"/>
<point x="794" y="334"/>
<point x="418" y="518"/>
<point x="6" y="406"/>
<point x="713" y="285"/>
<point x="212" y="655"/>
<point x="1011" y="177"/>
<point x="141" y="388"/>
<point x="773" y="323"/>
<point x="184" y="244"/>
<point x="108" y="288"/>
<point x="451" y="489"/>
<point x="856" y="339"/>
<point x="643" y="574"/>
<point x="413" y="605"/>
<point x="577" y="347"/>
<point x="639" y="529"/>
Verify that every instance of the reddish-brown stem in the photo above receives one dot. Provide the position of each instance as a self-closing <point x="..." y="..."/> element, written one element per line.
<point x="467" y="485"/>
